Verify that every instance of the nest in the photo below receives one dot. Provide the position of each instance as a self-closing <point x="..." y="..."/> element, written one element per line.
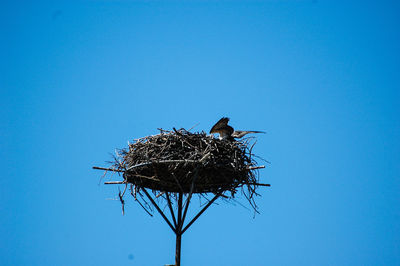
<point x="181" y="161"/>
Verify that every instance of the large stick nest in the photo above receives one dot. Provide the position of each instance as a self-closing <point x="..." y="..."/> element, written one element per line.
<point x="181" y="161"/>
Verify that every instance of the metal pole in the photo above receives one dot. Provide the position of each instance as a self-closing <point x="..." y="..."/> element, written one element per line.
<point x="178" y="249"/>
<point x="178" y="232"/>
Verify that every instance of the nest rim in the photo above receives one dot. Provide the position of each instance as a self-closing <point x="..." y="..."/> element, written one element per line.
<point x="231" y="165"/>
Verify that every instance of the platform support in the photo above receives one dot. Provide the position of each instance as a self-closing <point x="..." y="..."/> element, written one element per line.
<point x="178" y="218"/>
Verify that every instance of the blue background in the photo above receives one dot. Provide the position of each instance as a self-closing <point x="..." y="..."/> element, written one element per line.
<point x="79" y="79"/>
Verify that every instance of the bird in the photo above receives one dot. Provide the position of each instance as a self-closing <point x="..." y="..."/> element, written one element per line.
<point x="227" y="132"/>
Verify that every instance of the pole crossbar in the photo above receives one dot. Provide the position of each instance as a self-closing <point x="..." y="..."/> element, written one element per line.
<point x="186" y="208"/>
<point x="159" y="210"/>
<point x="202" y="210"/>
<point x="189" y="197"/>
<point x="170" y="209"/>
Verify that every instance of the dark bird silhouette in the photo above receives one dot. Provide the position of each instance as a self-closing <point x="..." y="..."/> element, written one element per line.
<point x="227" y="132"/>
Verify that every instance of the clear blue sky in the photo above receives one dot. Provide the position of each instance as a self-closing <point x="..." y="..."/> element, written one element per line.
<point x="321" y="77"/>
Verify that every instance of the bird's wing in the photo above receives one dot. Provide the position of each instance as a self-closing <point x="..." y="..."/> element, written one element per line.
<point x="239" y="133"/>
<point x="221" y="124"/>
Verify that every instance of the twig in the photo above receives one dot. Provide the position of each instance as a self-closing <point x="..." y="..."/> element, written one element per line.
<point x="255" y="167"/>
<point x="122" y="201"/>
<point x="114" y="182"/>
<point x="193" y="126"/>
